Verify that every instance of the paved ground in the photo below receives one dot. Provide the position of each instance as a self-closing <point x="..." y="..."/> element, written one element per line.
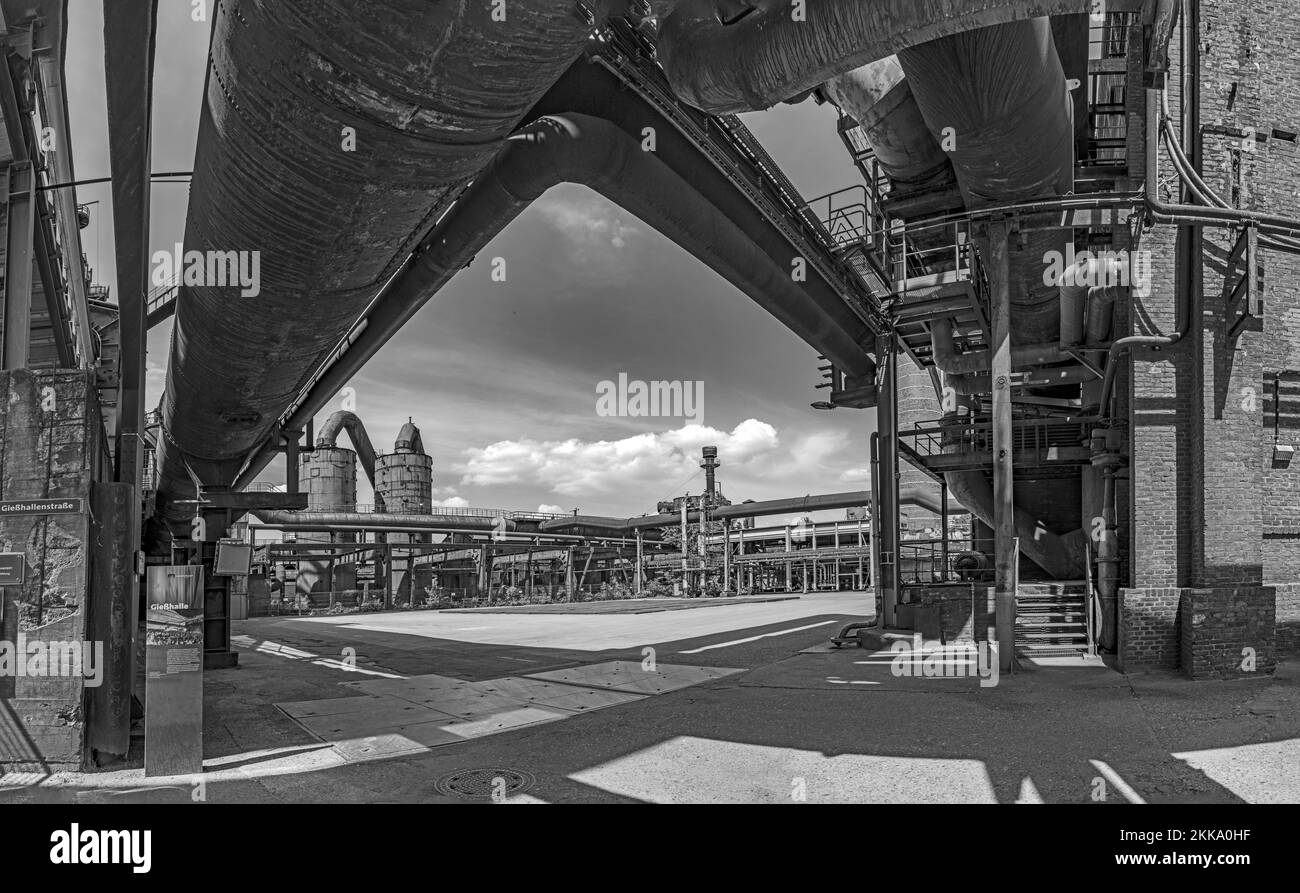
<point x="735" y="704"/>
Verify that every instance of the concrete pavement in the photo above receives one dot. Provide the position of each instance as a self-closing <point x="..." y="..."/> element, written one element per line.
<point x="791" y="727"/>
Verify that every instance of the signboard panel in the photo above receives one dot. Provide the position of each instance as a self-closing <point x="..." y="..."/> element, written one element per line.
<point x="15" y="507"/>
<point x="13" y="568"/>
<point x="173" y="721"/>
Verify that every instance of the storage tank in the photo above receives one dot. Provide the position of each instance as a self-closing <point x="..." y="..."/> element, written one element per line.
<point x="328" y="475"/>
<point x="404" y="481"/>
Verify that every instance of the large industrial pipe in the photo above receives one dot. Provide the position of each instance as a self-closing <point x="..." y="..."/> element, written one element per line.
<point x="879" y="98"/>
<point x="348" y="421"/>
<point x="953" y="362"/>
<point x="798" y="504"/>
<point x="674" y="189"/>
<point x="722" y="56"/>
<point x="1061" y="556"/>
<point x="380" y="521"/>
<point x="332" y="136"/>
<point x="999" y="95"/>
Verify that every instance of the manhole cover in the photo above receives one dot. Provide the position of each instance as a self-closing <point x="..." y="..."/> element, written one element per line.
<point x="485" y="784"/>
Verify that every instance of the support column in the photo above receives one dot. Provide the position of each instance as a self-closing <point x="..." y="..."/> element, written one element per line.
<point x="640" y="562"/>
<point x="887" y="425"/>
<point x="789" y="571"/>
<point x="21" y="200"/>
<point x="998" y="235"/>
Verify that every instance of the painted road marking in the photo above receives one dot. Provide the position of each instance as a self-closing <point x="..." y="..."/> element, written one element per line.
<point x="1118" y="783"/>
<point x="781" y="632"/>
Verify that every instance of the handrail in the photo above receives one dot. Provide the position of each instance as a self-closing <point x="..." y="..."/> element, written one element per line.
<point x="1090" y="605"/>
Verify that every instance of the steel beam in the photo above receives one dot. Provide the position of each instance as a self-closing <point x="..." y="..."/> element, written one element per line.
<point x="998" y="236"/>
<point x="129" y="31"/>
<point x="21" y="197"/>
<point x="887" y="425"/>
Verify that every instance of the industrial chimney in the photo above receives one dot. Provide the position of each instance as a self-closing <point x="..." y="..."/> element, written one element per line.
<point x="709" y="464"/>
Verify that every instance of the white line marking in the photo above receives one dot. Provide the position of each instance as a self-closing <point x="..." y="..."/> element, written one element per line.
<point x="780" y="632"/>
<point x="1120" y="784"/>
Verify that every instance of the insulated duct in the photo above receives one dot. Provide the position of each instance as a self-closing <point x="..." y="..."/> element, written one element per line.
<point x="333" y="135"/>
<point x="727" y="56"/>
<point x="1000" y="95"/>
<point x="675" y="189"/>
<point x="879" y="98"/>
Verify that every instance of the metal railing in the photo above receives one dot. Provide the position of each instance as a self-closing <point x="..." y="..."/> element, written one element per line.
<point x="962" y="437"/>
<point x="931" y="560"/>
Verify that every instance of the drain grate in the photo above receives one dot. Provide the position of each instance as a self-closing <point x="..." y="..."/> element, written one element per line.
<point x="485" y="784"/>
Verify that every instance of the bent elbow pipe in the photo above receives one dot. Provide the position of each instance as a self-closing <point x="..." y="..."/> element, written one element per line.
<point x="350" y="422"/>
<point x="879" y="98"/>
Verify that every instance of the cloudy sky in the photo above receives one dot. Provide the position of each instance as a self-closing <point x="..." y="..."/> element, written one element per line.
<point x="502" y="378"/>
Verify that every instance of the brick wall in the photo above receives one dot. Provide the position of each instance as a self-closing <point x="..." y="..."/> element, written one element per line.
<point x="1211" y="514"/>
<point x="1148" y="629"/>
<point x="1227" y="633"/>
<point x="1287" y="620"/>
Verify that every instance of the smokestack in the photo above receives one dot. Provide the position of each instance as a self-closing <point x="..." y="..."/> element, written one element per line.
<point x="709" y="464"/>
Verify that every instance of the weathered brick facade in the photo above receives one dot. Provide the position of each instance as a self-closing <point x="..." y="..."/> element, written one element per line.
<point x="1148" y="629"/>
<point x="1213" y="521"/>
<point x="51" y="446"/>
<point x="1226" y="635"/>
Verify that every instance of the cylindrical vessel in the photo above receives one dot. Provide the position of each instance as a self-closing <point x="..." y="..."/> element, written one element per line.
<point x="328" y="475"/>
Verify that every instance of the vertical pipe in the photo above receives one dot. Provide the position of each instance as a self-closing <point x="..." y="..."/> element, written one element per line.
<point x="685" y="549"/>
<point x="789" y="570"/>
<point x="640" y="562"/>
<point x="875" y="527"/>
<point x="998" y="243"/>
<point x="943" y="515"/>
<point x="887" y="424"/>
<point x="726" y="556"/>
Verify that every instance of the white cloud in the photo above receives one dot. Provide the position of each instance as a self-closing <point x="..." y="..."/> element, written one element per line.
<point x="455" y="502"/>
<point x="592" y="224"/>
<point x="651" y="462"/>
<point x="548" y="509"/>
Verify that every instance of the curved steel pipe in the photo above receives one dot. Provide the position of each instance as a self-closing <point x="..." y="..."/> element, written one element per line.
<point x="880" y="99"/>
<point x="348" y="421"/>
<point x="332" y="136"/>
<point x="723" y="57"/>
<point x="674" y="189"/>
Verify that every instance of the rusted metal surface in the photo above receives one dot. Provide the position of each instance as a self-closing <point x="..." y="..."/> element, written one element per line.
<point x="333" y="135"/>
<point x="721" y="60"/>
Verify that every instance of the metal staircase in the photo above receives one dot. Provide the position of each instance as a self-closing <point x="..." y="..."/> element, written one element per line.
<point x="1052" y="619"/>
